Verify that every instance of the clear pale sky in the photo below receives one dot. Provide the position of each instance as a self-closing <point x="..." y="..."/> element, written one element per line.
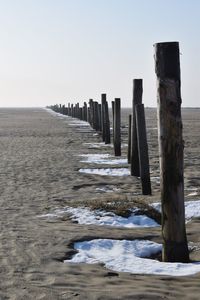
<point x="60" y="51"/>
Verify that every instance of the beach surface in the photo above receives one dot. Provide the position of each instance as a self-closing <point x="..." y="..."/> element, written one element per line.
<point x="40" y="163"/>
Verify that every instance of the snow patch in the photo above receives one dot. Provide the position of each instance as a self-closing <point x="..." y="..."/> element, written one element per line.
<point x="128" y="256"/>
<point x="107" y="172"/>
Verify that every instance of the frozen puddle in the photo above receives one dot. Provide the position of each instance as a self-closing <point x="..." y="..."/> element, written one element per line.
<point x="128" y="256"/>
<point x="192" y="209"/>
<point x="85" y="216"/>
<point x="107" y="172"/>
<point x="102" y="159"/>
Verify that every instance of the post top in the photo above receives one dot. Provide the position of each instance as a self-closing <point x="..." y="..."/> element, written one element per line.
<point x="165" y="43"/>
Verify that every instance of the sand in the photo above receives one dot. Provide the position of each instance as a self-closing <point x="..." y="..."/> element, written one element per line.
<point x="39" y="173"/>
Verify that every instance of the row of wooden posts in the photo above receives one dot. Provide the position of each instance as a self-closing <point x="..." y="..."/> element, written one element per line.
<point x="167" y="67"/>
<point x="97" y="114"/>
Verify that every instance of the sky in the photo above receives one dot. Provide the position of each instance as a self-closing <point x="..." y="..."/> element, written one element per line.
<point x="60" y="51"/>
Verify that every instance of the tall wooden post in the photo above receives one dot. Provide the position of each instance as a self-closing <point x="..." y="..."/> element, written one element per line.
<point x="85" y="111"/>
<point x="91" y="113"/>
<point x="167" y="67"/>
<point x="99" y="117"/>
<point x="72" y="110"/>
<point x="143" y="149"/>
<point x="96" y="120"/>
<point x="103" y="101"/>
<point x="106" y="123"/>
<point x="129" y="139"/>
<point x="137" y="99"/>
<point x="113" y="120"/>
<point x="117" y="127"/>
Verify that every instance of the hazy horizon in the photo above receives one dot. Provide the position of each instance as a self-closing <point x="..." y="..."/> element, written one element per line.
<point x="55" y="52"/>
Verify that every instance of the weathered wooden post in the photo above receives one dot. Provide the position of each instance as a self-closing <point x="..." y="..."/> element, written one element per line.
<point x="91" y="113"/>
<point x="167" y="67"/>
<point x="137" y="99"/>
<point x="103" y="101"/>
<point x="143" y="149"/>
<point x="72" y="110"/>
<point x="99" y="116"/>
<point x="113" y="120"/>
<point x="96" y="120"/>
<point x="106" y="123"/>
<point x="81" y="113"/>
<point x="69" y="110"/>
<point x="117" y="127"/>
<point x="85" y="111"/>
<point x="129" y="139"/>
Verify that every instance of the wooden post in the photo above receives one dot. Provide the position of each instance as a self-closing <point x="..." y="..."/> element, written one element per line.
<point x="113" y="120"/>
<point x="103" y="101"/>
<point x="81" y="113"/>
<point x="167" y="67"/>
<point x="137" y="99"/>
<point x="72" y="110"/>
<point x="129" y="138"/>
<point x="99" y="117"/>
<point x="96" y="120"/>
<point x="117" y="127"/>
<point x="91" y="113"/>
<point x="69" y="110"/>
<point x="143" y="149"/>
<point x="89" y="116"/>
<point x="85" y="111"/>
<point x="106" y="123"/>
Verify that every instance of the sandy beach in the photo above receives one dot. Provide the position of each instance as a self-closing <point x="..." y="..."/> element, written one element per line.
<point x="39" y="174"/>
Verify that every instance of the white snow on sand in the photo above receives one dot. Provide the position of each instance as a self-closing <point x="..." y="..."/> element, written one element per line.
<point x="79" y="123"/>
<point x="102" y="159"/>
<point x="107" y="172"/>
<point x="192" y="209"/>
<point x="100" y="217"/>
<point x="101" y="144"/>
<point x="127" y="256"/>
<point x="56" y="114"/>
<point x="105" y="189"/>
<point x="193" y="194"/>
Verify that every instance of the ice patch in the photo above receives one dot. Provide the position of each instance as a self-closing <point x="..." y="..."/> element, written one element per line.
<point x="107" y="172"/>
<point x="55" y="114"/>
<point x="79" y="123"/>
<point x="128" y="256"/>
<point x="192" y="209"/>
<point x="99" y="145"/>
<point x="85" y="216"/>
<point x="100" y="217"/>
<point x="106" y="189"/>
<point x="102" y="159"/>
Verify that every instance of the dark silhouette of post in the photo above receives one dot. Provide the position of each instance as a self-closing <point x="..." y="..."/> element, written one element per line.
<point x="103" y="101"/>
<point x="143" y="149"/>
<point x="117" y="127"/>
<point x="106" y="123"/>
<point x="96" y="116"/>
<point x="137" y="99"/>
<point x="113" y="121"/>
<point x="99" y="117"/>
<point x="91" y="113"/>
<point x="129" y="139"/>
<point x="85" y="111"/>
<point x="167" y="67"/>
